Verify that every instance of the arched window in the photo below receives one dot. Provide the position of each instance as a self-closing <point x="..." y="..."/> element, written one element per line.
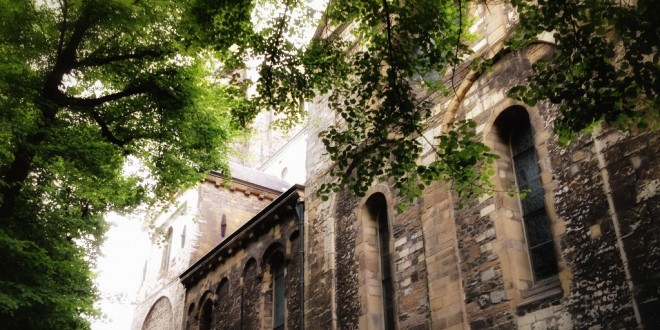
<point x="165" y="261"/>
<point x="277" y="269"/>
<point x="250" y="296"/>
<point x="206" y="315"/>
<point x="223" y="305"/>
<point x="377" y="210"/>
<point x="223" y="226"/>
<point x="144" y="271"/>
<point x="515" y="130"/>
<point x="160" y="316"/>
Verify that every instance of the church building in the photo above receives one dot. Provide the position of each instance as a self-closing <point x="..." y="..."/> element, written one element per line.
<point x="580" y="251"/>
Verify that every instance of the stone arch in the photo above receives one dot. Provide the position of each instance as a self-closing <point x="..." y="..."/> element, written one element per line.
<point x="250" y="295"/>
<point x="205" y="314"/>
<point x="518" y="264"/>
<point x="160" y="316"/>
<point x="223" y="304"/>
<point x="374" y="247"/>
<point x="270" y="251"/>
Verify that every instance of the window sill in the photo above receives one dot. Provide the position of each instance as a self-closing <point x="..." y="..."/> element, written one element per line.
<point x="543" y="292"/>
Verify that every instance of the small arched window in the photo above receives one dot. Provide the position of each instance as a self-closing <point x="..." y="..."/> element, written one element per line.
<point x="206" y="315"/>
<point x="165" y="261"/>
<point x="223" y="226"/>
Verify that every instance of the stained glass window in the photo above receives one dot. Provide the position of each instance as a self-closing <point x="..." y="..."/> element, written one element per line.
<point x="385" y="268"/>
<point x="535" y="219"/>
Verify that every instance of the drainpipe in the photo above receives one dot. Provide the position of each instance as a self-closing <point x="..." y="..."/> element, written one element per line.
<point x="300" y="213"/>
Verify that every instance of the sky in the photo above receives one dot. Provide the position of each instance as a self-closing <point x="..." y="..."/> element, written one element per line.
<point x="119" y="271"/>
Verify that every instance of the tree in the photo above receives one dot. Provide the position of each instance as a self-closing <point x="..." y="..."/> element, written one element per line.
<point x="604" y="69"/>
<point x="605" y="66"/>
<point x="84" y="85"/>
<point x="87" y="84"/>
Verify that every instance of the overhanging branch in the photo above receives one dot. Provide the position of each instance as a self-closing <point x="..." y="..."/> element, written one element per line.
<point x="94" y="102"/>
<point x="99" y="61"/>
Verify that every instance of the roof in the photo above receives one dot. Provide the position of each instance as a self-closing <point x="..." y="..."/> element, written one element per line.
<point x="293" y="195"/>
<point x="254" y="177"/>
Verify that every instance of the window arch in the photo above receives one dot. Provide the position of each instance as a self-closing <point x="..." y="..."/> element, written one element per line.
<point x="223" y="226"/>
<point x="206" y="315"/>
<point x="377" y="281"/>
<point x="528" y="238"/>
<point x="165" y="260"/>
<point x="515" y="132"/>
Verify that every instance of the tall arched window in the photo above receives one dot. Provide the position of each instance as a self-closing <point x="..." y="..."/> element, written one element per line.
<point x="183" y="237"/>
<point x="377" y="208"/>
<point x="206" y="315"/>
<point x="277" y="269"/>
<point x="515" y="129"/>
<point x="165" y="261"/>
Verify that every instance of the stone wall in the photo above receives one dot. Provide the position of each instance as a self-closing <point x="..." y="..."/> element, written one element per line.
<point x="236" y="201"/>
<point x="195" y="220"/>
<point x="237" y="277"/>
<point x="470" y="267"/>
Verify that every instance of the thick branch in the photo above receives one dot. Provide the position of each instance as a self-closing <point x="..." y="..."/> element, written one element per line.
<point x="105" y="130"/>
<point x="360" y="155"/>
<point x="94" y="102"/>
<point x="143" y="54"/>
<point x="64" y="5"/>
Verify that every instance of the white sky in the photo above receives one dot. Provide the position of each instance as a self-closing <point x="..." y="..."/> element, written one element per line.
<point x="119" y="271"/>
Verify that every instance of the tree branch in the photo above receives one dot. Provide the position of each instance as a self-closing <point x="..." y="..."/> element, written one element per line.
<point x="360" y="155"/>
<point x="99" y="61"/>
<point x="64" y="5"/>
<point x="105" y="130"/>
<point x="94" y="102"/>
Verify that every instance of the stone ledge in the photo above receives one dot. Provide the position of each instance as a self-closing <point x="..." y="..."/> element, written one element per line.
<point x="544" y="291"/>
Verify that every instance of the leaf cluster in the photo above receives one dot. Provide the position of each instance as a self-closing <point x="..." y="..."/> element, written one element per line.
<point x="605" y="63"/>
<point x="84" y="86"/>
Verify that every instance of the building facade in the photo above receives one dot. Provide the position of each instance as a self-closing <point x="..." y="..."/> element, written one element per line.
<point x="200" y="219"/>
<point x="580" y="251"/>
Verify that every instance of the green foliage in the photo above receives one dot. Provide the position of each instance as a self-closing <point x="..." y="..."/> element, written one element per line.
<point x="85" y="84"/>
<point x="605" y="65"/>
<point x="400" y="48"/>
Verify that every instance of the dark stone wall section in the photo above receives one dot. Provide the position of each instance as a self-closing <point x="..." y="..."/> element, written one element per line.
<point x="348" y="302"/>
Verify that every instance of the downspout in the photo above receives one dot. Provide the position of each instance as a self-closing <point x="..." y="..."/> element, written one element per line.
<point x="300" y="213"/>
